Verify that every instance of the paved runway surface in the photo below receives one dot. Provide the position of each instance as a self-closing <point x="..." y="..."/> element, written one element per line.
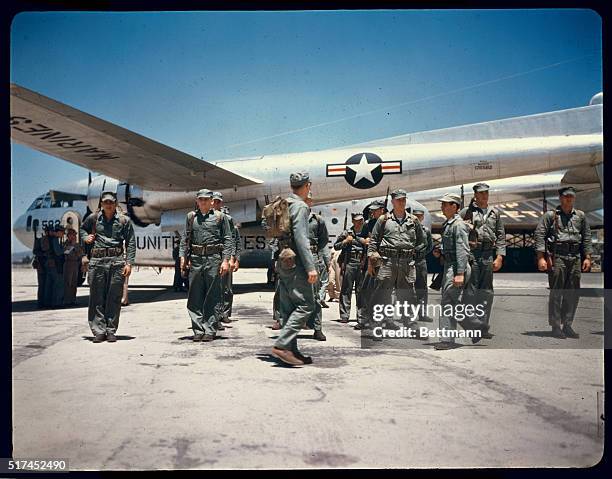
<point x="156" y="400"/>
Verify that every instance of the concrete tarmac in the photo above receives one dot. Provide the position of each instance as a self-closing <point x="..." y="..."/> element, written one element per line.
<point x="157" y="400"/>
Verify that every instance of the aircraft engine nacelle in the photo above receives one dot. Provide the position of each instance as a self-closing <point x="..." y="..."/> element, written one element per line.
<point x="130" y="198"/>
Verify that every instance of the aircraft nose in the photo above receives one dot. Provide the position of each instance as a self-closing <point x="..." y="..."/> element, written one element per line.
<point x="19" y="230"/>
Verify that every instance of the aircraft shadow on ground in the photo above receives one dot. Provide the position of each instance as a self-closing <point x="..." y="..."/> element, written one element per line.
<point x="118" y="336"/>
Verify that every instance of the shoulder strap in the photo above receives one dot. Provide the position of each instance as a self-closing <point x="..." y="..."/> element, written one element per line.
<point x="381" y="233"/>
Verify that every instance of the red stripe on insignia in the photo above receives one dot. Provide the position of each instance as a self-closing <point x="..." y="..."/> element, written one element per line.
<point x="336" y="168"/>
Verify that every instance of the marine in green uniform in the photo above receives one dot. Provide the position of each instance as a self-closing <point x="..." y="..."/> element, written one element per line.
<point x="487" y="239"/>
<point x="420" y="285"/>
<point x="318" y="237"/>
<point x="297" y="275"/>
<point x="109" y="232"/>
<point x="41" y="247"/>
<point x="206" y="248"/>
<point x="54" y="283"/>
<point x="374" y="210"/>
<point x="73" y="253"/>
<point x="396" y="238"/>
<point x="455" y="250"/>
<point x="565" y="236"/>
<point x="353" y="248"/>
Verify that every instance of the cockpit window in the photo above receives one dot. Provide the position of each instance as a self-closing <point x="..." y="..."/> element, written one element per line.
<point x="46" y="203"/>
<point x="36" y="204"/>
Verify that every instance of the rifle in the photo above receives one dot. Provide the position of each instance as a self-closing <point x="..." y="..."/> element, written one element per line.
<point x="371" y="268"/>
<point x="342" y="259"/>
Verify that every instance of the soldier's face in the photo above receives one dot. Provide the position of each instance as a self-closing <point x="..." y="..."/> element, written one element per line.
<point x="567" y="201"/>
<point x="482" y="197"/>
<point x="399" y="204"/>
<point x="376" y="213"/>
<point x="420" y="216"/>
<point x="217" y="204"/>
<point x="109" y="206"/>
<point x="448" y="208"/>
<point x="72" y="237"/>
<point x="204" y="204"/>
<point x="358" y="224"/>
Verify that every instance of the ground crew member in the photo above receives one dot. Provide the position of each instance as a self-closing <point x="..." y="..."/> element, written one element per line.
<point x="73" y="254"/>
<point x="180" y="283"/>
<point x="318" y="237"/>
<point x="54" y="283"/>
<point x="297" y="275"/>
<point x="206" y="248"/>
<point x="487" y="239"/>
<point x="335" y="281"/>
<point x="392" y="249"/>
<point x="455" y="250"/>
<point x="564" y="234"/>
<point x="353" y="247"/>
<point x="420" y="285"/>
<point x="41" y="247"/>
<point x="374" y="211"/>
<point x="110" y="232"/>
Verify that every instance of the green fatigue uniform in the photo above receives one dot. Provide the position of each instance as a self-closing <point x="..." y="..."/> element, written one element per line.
<point x="210" y="243"/>
<point x="318" y="237"/>
<point x="73" y="254"/>
<point x="228" y="292"/>
<point x="296" y="297"/>
<point x="420" y="283"/>
<point x="106" y="267"/>
<point x="396" y="241"/>
<point x="569" y="238"/>
<point x="456" y="251"/>
<point x="487" y="239"/>
<point x="352" y="276"/>
<point x="41" y="246"/>
<point x="54" y="283"/>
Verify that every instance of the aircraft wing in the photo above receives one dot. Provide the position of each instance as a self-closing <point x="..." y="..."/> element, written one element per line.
<point x="75" y="136"/>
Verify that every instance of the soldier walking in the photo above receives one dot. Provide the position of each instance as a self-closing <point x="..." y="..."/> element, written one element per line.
<point x="487" y="240"/>
<point x="565" y="236"/>
<point x="110" y="232"/>
<point x="297" y="274"/>
<point x="73" y="254"/>
<point x="205" y="250"/>
<point x="41" y="247"/>
<point x="352" y="247"/>
<point x="318" y="237"/>
<point x="392" y="250"/>
<point x="455" y="250"/>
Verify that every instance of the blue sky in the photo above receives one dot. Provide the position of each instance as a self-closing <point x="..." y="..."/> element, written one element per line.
<point x="204" y="81"/>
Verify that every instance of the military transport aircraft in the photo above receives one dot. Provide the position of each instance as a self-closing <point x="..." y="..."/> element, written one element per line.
<point x="156" y="184"/>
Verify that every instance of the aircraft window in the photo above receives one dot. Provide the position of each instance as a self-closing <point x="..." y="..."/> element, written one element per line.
<point x="37" y="203"/>
<point x="46" y="202"/>
<point x="335" y="221"/>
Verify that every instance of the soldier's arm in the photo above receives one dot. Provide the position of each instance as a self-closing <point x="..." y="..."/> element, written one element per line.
<point x="183" y="242"/>
<point x="130" y="242"/>
<point x="421" y="238"/>
<point x="227" y="238"/>
<point x="323" y="240"/>
<point x="540" y="233"/>
<point x="82" y="231"/>
<point x="587" y="239"/>
<point x="340" y="238"/>
<point x="300" y="238"/>
<point x="462" y="247"/>
<point x="373" y="245"/>
<point x="430" y="243"/>
<point x="500" y="233"/>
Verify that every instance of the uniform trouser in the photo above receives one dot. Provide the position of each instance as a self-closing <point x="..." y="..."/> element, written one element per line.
<point x="316" y="322"/>
<point x="324" y="280"/>
<point x="205" y="297"/>
<point x="54" y="288"/>
<point x="451" y="295"/>
<point x="105" y="290"/>
<point x="72" y="269"/>
<point x="178" y="278"/>
<point x="367" y="292"/>
<point x="228" y="294"/>
<point x="395" y="276"/>
<point x="564" y="281"/>
<point x="296" y="301"/>
<point x="334" y="282"/>
<point x="351" y="279"/>
<point x="479" y="289"/>
<point x="41" y="274"/>
<point x="420" y="286"/>
<point x="275" y="303"/>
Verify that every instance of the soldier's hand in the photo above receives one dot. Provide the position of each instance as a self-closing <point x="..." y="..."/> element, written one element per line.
<point x="127" y="270"/>
<point x="348" y="239"/>
<point x="236" y="266"/>
<point x="224" y="268"/>
<point x="586" y="265"/>
<point x="497" y="264"/>
<point x="231" y="264"/>
<point x="458" y="280"/>
<point x="90" y="239"/>
<point x="542" y="265"/>
<point x="312" y="277"/>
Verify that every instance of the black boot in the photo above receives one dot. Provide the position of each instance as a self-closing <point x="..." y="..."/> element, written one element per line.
<point x="558" y="333"/>
<point x="569" y="332"/>
<point x="319" y="336"/>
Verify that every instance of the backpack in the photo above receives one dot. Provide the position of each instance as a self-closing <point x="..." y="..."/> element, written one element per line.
<point x="475" y="234"/>
<point x="276" y="218"/>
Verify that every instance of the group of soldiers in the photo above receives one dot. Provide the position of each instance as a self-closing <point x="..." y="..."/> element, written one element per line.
<point x="382" y="258"/>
